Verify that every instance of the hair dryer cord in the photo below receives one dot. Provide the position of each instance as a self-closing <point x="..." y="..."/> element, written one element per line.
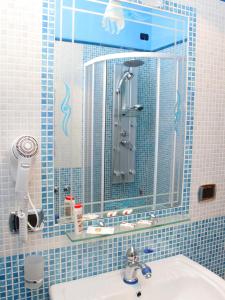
<point x="36" y="228"/>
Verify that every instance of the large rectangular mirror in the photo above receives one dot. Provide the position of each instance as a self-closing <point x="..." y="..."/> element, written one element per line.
<point x="119" y="109"/>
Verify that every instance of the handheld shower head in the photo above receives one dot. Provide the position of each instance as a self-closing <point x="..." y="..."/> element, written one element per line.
<point x="133" y="63"/>
<point x="126" y="75"/>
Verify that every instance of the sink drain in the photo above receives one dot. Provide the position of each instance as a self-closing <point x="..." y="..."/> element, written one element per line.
<point x="138" y="294"/>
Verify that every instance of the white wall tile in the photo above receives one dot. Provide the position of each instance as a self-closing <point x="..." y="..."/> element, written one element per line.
<point x="209" y="122"/>
<point x="20" y="94"/>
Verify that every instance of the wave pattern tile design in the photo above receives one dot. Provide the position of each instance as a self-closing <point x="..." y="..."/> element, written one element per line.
<point x="66" y="109"/>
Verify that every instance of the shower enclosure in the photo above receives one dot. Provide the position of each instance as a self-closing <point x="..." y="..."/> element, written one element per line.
<point x="133" y="131"/>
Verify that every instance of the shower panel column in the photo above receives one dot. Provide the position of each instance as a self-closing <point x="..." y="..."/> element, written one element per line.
<point x="124" y="124"/>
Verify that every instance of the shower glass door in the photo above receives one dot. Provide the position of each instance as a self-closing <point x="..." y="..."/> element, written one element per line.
<point x="94" y="136"/>
<point x="133" y="132"/>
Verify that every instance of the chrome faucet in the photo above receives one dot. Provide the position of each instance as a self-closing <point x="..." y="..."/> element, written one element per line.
<point x="133" y="264"/>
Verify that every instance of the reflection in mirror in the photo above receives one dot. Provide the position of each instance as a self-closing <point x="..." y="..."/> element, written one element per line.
<point x="119" y="113"/>
<point x="134" y="132"/>
<point x="68" y="124"/>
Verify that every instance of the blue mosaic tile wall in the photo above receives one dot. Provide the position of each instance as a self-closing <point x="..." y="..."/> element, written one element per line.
<point x="47" y="109"/>
<point x="201" y="241"/>
<point x="66" y="181"/>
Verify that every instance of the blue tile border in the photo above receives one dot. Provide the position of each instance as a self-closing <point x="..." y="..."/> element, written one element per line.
<point x="202" y="241"/>
<point x="47" y="114"/>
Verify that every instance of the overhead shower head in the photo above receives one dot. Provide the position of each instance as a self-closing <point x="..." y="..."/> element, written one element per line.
<point x="133" y="63"/>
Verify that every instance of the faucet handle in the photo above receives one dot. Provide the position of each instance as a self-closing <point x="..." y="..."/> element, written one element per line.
<point x="132" y="254"/>
<point x="148" y="250"/>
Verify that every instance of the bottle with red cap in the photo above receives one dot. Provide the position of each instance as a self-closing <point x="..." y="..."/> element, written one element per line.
<point x="68" y="205"/>
<point x="78" y="218"/>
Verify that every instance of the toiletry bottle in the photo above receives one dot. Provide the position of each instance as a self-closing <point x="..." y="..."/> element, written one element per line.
<point x="68" y="205"/>
<point x="78" y="218"/>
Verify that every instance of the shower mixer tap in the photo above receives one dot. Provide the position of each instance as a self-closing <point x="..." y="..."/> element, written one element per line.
<point x="134" y="108"/>
<point x="124" y="133"/>
<point x="118" y="173"/>
<point x="127" y="144"/>
<point x="132" y="172"/>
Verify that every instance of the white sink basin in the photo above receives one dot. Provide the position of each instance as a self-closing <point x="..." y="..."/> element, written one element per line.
<point x="173" y="278"/>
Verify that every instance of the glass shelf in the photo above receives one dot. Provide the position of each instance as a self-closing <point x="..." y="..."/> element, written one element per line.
<point x="160" y="222"/>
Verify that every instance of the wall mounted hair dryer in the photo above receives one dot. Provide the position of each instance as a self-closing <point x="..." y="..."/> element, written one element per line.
<point x="22" y="155"/>
<point x="23" y="151"/>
